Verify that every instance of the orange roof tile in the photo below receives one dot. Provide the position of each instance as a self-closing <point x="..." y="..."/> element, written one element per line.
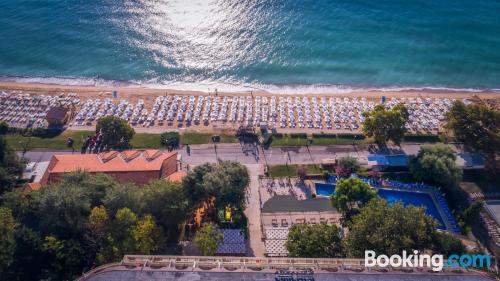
<point x="128" y="155"/>
<point x="94" y="163"/>
<point x="177" y="176"/>
<point x="33" y="186"/>
<point x="152" y="153"/>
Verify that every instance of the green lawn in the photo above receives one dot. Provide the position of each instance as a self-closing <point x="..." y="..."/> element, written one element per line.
<point x="289" y="140"/>
<point x="201" y="138"/>
<point x="142" y="140"/>
<point x="280" y="171"/>
<point x="146" y="141"/>
<point x="17" y="142"/>
<point x="60" y="142"/>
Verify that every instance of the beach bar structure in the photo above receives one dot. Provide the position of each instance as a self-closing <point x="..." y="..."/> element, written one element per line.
<point x="57" y="116"/>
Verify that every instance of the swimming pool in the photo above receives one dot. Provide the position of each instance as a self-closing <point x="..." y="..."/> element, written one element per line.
<point x="416" y="199"/>
<point x="392" y="196"/>
<point x="325" y="189"/>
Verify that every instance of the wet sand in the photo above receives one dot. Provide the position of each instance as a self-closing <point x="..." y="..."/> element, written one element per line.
<point x="133" y="93"/>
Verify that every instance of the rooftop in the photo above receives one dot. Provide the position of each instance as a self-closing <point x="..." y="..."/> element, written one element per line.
<point x="57" y="113"/>
<point x="177" y="176"/>
<point x="288" y="203"/>
<point x="258" y="268"/>
<point x="113" y="161"/>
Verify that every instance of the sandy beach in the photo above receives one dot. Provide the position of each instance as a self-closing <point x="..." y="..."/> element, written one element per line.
<point x="134" y="93"/>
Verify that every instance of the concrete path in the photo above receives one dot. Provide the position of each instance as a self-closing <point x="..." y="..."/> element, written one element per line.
<point x="252" y="212"/>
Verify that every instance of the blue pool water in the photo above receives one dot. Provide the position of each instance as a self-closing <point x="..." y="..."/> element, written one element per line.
<point x="325" y="189"/>
<point x="392" y="196"/>
<point x="413" y="198"/>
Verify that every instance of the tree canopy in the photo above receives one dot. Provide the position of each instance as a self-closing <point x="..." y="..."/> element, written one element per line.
<point x="478" y="127"/>
<point x="167" y="202"/>
<point x="84" y="220"/>
<point x="350" y="195"/>
<point x="314" y="241"/>
<point x="386" y="124"/>
<point x="436" y="164"/>
<point x="447" y="244"/>
<point x="116" y="133"/>
<point x="224" y="181"/>
<point x="206" y="239"/>
<point x="170" y="140"/>
<point x="7" y="241"/>
<point x="346" y="166"/>
<point x="11" y="166"/>
<point x="389" y="229"/>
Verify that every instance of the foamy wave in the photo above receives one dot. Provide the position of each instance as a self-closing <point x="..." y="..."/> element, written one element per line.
<point x="211" y="86"/>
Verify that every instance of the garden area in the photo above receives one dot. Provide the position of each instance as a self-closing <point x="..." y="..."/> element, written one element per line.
<point x="59" y="140"/>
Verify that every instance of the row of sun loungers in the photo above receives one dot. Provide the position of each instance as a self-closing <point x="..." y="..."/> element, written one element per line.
<point x="26" y="111"/>
<point x="273" y="112"/>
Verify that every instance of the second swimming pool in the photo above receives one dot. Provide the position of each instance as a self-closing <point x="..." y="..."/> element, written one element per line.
<point x="418" y="199"/>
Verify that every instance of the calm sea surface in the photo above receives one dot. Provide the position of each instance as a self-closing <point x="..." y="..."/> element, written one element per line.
<point x="290" y="45"/>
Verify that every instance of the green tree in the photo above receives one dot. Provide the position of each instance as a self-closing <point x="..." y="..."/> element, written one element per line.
<point x="206" y="239"/>
<point x="11" y="166"/>
<point x="350" y="195"/>
<point x="170" y="140"/>
<point x="126" y="233"/>
<point x="478" y="127"/>
<point x="389" y="229"/>
<point x="97" y="224"/>
<point x="4" y="128"/>
<point x="116" y="132"/>
<point x="386" y="124"/>
<point x="193" y="184"/>
<point x="148" y="237"/>
<point x="314" y="241"/>
<point x="124" y="195"/>
<point x="471" y="213"/>
<point x="436" y="164"/>
<point x="224" y="181"/>
<point x="227" y="183"/>
<point x="64" y="258"/>
<point x="447" y="244"/>
<point x="62" y="209"/>
<point x="7" y="241"/>
<point x="346" y="166"/>
<point x="167" y="202"/>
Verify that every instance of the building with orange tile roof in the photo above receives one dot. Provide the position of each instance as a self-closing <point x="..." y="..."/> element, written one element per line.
<point x="177" y="176"/>
<point x="136" y="166"/>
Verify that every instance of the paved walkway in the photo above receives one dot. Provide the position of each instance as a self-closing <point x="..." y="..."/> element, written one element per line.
<point x="250" y="155"/>
<point x="252" y="212"/>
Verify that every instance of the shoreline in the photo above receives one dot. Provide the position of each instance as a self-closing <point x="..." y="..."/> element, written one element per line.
<point x="132" y="92"/>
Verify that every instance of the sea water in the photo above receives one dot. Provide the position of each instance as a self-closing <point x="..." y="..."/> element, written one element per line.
<point x="277" y="45"/>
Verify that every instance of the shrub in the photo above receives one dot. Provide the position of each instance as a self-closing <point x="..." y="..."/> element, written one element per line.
<point x="170" y="140"/>
<point x="325" y="136"/>
<point x="352" y="136"/>
<point x="299" y="135"/>
<point x="4" y="128"/>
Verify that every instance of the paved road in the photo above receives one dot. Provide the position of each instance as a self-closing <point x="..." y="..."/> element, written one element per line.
<point x="252" y="211"/>
<point x="255" y="155"/>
